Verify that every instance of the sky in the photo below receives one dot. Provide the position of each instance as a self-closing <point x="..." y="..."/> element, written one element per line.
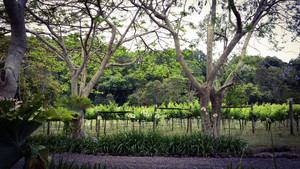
<point x="291" y="50"/>
<point x="262" y="47"/>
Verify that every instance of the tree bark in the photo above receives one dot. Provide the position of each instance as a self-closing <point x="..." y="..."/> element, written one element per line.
<point x="74" y="83"/>
<point x="216" y="105"/>
<point x="205" y="114"/>
<point x="217" y="96"/>
<point x="10" y="73"/>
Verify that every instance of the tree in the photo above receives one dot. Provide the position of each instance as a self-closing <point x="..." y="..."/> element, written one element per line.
<point x="10" y="73"/>
<point x="95" y="31"/>
<point x="89" y="24"/>
<point x="36" y="74"/>
<point x="255" y="11"/>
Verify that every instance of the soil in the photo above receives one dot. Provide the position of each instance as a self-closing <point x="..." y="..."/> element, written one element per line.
<point x="256" y="157"/>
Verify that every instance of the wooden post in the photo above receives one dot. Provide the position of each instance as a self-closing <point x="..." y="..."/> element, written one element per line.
<point x="57" y="126"/>
<point x="44" y="129"/>
<point x="181" y="122"/>
<point x="191" y="119"/>
<point x="191" y="122"/>
<point x="188" y="124"/>
<point x="229" y="127"/>
<point x="154" y="119"/>
<point x="229" y="124"/>
<point x="133" y="124"/>
<point x="291" y="116"/>
<point x="253" y="120"/>
<point x="104" y="129"/>
<point x="172" y="124"/>
<point x="98" y="124"/>
<point x="91" y="124"/>
<point x="140" y="125"/>
<point x="123" y="122"/>
<point x="117" y="124"/>
<point x="48" y="129"/>
<point x="297" y="123"/>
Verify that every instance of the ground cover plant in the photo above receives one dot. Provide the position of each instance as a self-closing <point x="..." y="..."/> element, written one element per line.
<point x="143" y="143"/>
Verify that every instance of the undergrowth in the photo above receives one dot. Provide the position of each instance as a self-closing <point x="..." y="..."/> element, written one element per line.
<point x="143" y="143"/>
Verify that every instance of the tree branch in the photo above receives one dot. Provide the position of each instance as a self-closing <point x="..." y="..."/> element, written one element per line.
<point x="225" y="87"/>
<point x="230" y="21"/>
<point x="149" y="8"/>
<point x="237" y="16"/>
<point x="124" y="64"/>
<point x="47" y="43"/>
<point x="138" y="35"/>
<point x="18" y="45"/>
<point x="221" y="35"/>
<point x="209" y="41"/>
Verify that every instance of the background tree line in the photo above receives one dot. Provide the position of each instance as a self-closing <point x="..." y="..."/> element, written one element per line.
<point x="158" y="79"/>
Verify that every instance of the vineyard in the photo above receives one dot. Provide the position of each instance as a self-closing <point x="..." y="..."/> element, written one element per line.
<point x="104" y="119"/>
<point x="273" y="112"/>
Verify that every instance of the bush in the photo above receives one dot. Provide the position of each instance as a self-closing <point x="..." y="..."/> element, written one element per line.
<point x="139" y="143"/>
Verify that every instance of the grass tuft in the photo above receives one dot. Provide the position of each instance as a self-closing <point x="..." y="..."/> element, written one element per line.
<point x="144" y="143"/>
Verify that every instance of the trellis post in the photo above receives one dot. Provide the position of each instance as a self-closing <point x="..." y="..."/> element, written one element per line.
<point x="253" y="121"/>
<point x="154" y="119"/>
<point x="98" y="123"/>
<point x="291" y="116"/>
<point x="48" y="129"/>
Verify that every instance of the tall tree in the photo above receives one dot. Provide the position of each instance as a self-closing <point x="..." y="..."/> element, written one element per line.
<point x="159" y="12"/>
<point x="98" y="29"/>
<point x="89" y="23"/>
<point x="10" y="73"/>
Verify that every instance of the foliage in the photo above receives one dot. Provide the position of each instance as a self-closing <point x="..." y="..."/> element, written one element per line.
<point x="39" y="72"/>
<point x="273" y="112"/>
<point x="36" y="157"/>
<point x="74" y="103"/>
<point x="17" y="122"/>
<point x="138" y="143"/>
<point x="296" y="111"/>
<point x="145" y="113"/>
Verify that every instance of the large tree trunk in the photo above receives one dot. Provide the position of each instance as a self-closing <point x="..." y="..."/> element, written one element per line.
<point x="79" y="126"/>
<point x="205" y="114"/>
<point x="10" y="73"/>
<point x="11" y="152"/>
<point x="86" y="90"/>
<point x="216" y="97"/>
<point x="216" y="105"/>
<point x="74" y="85"/>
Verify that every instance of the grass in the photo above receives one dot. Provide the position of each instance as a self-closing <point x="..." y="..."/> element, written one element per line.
<point x="143" y="143"/>
<point x="261" y="137"/>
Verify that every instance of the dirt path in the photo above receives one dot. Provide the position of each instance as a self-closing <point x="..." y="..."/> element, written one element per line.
<point x="158" y="162"/>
